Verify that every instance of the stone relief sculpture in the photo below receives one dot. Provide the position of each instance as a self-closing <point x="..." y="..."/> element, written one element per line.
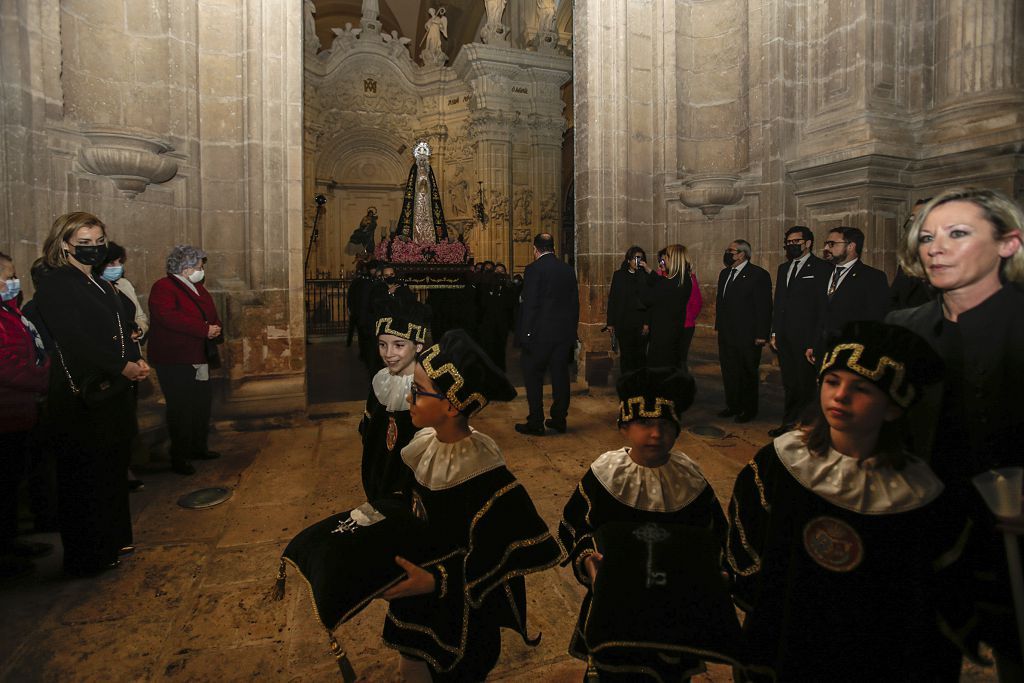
<point x="436" y="28"/>
<point x="309" y="37"/>
<point x="494" y="31"/>
<point x="546" y="16"/>
<point x="524" y="207"/>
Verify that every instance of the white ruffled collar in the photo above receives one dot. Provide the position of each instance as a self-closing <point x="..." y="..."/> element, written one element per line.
<point x="438" y="465"/>
<point x="840" y="480"/>
<point x="667" y="488"/>
<point x="392" y="390"/>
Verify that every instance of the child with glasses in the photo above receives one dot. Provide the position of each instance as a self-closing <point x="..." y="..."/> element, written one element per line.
<point x="445" y="617"/>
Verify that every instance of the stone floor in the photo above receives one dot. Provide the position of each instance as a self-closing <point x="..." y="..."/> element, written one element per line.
<point x="193" y="602"/>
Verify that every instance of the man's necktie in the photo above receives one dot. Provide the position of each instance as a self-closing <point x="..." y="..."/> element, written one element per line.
<point x="837" y="274"/>
<point x="728" y="282"/>
<point x="792" y="271"/>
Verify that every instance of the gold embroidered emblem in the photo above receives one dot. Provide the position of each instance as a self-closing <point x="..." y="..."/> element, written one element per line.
<point x="833" y="544"/>
<point x="392" y="434"/>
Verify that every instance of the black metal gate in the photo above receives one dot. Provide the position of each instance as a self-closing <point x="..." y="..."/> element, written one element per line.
<point x="327" y="306"/>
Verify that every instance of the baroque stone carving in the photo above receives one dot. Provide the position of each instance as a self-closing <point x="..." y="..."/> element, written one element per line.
<point x="524" y="206"/>
<point x="131" y="161"/>
<point x="435" y="29"/>
<point x="710" y="192"/>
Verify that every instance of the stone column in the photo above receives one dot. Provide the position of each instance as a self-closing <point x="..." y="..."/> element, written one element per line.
<point x="711" y="61"/>
<point x="491" y="133"/>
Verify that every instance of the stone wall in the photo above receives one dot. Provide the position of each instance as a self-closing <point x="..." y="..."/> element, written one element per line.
<point x="700" y="121"/>
<point x="174" y="122"/>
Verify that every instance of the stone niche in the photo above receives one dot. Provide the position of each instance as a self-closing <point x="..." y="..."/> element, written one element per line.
<point x="493" y="117"/>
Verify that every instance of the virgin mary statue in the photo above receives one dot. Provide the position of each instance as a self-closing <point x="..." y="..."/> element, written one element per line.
<point x="422" y="218"/>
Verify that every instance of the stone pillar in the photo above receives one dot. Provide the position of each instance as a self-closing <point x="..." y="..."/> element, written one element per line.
<point x="491" y="133"/>
<point x="711" y="61"/>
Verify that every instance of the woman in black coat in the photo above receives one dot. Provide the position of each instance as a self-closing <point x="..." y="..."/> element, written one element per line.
<point x="91" y="404"/>
<point x="666" y="301"/>
<point x="627" y="312"/>
<point x="967" y="243"/>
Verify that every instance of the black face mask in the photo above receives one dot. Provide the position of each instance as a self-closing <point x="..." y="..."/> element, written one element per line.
<point x="728" y="259"/>
<point x="391" y="280"/>
<point x="90" y="255"/>
<point x="793" y="251"/>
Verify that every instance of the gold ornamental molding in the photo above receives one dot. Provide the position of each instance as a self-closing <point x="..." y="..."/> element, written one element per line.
<point x="131" y="161"/>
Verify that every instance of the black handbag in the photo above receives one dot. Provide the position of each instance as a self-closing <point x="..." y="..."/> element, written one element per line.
<point x="97" y="387"/>
<point x="209" y="345"/>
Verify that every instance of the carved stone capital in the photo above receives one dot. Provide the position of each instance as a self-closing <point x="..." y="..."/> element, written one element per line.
<point x="710" y="192"/>
<point x="131" y="161"/>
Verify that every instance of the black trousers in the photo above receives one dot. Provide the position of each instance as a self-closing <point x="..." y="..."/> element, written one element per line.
<point x="798" y="379"/>
<point x="188" y="410"/>
<point x="94" y="515"/>
<point x="632" y="347"/>
<point x="493" y="340"/>
<point x="684" y="347"/>
<point x="536" y="359"/>
<point x="739" y="362"/>
<point x="13" y="447"/>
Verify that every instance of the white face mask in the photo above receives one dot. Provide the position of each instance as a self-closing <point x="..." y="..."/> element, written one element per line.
<point x="197" y="276"/>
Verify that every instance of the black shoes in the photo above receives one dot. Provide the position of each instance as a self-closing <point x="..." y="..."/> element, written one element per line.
<point x="208" y="455"/>
<point x="532" y="430"/>
<point x="780" y="430"/>
<point x="183" y="467"/>
<point x="557" y="425"/>
<point x="728" y="412"/>
<point x="744" y="417"/>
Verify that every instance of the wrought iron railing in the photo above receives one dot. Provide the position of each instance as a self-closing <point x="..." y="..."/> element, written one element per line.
<point x="327" y="306"/>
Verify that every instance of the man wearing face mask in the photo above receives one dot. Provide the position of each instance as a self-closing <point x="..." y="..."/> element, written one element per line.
<point x="743" y="319"/>
<point x="853" y="291"/>
<point x="799" y="284"/>
<point x="184" y="331"/>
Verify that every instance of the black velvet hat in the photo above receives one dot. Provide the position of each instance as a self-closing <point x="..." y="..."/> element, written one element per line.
<point x="897" y="360"/>
<point x="654" y="392"/>
<point x="462" y="371"/>
<point x="405" y="318"/>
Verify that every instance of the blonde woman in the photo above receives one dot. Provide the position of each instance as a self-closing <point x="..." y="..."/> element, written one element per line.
<point x="967" y="243"/>
<point x="666" y="302"/>
<point x="91" y="403"/>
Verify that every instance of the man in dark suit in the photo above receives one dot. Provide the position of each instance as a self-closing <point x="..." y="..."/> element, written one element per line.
<point x="854" y="291"/>
<point x="743" y="320"/>
<point x="546" y="333"/>
<point x="799" y="286"/>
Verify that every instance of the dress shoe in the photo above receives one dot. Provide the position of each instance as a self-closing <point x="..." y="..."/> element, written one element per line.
<point x="527" y="428"/>
<point x="183" y="467"/>
<point x="780" y="430"/>
<point x="208" y="455"/>
<point x="558" y="425"/>
<point x="744" y="417"/>
<point x="127" y="550"/>
<point x="135" y="485"/>
<point x="728" y="412"/>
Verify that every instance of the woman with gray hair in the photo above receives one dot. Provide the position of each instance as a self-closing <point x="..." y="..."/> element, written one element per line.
<point x="183" y="334"/>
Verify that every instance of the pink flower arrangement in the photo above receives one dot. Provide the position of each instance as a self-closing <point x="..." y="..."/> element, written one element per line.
<point x="419" y="252"/>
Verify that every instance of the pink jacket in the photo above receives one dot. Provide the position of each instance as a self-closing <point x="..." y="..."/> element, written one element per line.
<point x="21" y="379"/>
<point x="695" y="303"/>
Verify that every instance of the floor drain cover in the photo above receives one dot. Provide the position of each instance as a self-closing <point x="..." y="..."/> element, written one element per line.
<point x="204" y="498"/>
<point x="710" y="431"/>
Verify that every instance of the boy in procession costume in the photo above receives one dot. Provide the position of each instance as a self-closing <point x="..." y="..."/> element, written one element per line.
<point x="445" y="617"/>
<point x="645" y="482"/>
<point x="842" y="547"/>
<point x="386" y="427"/>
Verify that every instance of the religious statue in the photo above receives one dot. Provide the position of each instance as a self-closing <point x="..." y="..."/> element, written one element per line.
<point x="310" y="39"/>
<point x="362" y="239"/>
<point x="435" y="28"/>
<point x="545" y="16"/>
<point x="494" y="30"/>
<point x="422" y="218"/>
<point x="495" y="9"/>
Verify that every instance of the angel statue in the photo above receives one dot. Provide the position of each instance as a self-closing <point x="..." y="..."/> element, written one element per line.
<point x="436" y="28"/>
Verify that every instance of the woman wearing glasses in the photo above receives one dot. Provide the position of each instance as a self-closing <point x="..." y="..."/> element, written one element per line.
<point x="967" y="243"/>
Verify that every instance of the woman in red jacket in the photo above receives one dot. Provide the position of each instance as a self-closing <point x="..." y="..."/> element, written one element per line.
<point x="24" y="372"/>
<point x="183" y="319"/>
